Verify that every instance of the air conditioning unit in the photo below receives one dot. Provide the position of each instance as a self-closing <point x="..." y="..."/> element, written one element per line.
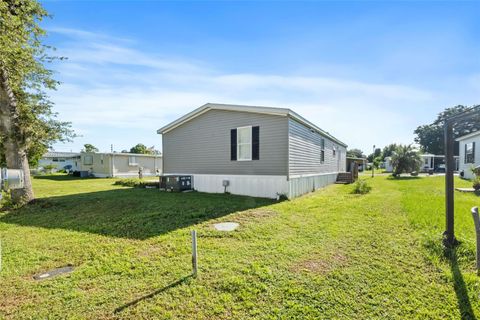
<point x="11" y="179"/>
<point x="176" y="183"/>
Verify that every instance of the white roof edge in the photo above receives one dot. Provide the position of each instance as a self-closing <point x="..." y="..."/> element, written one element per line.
<point x="219" y="106"/>
<point x="123" y="154"/>
<point x="470" y="135"/>
<point x="243" y="108"/>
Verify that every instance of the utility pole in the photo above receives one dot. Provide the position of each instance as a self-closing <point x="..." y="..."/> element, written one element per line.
<point x="449" y="234"/>
<point x="373" y="158"/>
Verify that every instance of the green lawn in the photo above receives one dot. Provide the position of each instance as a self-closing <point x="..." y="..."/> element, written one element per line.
<point x="330" y="254"/>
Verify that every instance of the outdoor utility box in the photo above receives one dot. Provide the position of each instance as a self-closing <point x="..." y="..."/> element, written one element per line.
<point x="84" y="174"/>
<point x="11" y="179"/>
<point x="176" y="183"/>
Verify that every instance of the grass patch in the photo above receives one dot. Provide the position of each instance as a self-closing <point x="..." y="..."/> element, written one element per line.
<point x="329" y="254"/>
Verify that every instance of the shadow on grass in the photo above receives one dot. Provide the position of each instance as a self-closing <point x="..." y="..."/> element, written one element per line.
<point x="459" y="285"/>
<point x="403" y="178"/>
<point x="451" y="256"/>
<point x="129" y="213"/>
<point x="60" y="177"/>
<point x="152" y="294"/>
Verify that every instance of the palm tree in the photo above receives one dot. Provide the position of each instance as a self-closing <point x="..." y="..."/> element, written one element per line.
<point x="405" y="159"/>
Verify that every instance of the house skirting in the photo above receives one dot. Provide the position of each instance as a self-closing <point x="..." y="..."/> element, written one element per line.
<point x="122" y="175"/>
<point x="247" y="185"/>
<point x="304" y="184"/>
<point x="261" y="185"/>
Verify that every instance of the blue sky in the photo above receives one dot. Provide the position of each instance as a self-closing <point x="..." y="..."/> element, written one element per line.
<point x="367" y="72"/>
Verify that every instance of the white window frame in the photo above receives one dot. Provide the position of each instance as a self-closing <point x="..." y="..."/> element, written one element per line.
<point x="132" y="161"/>
<point x="238" y="144"/>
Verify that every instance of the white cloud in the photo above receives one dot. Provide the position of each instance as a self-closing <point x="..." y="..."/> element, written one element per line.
<point x="115" y="93"/>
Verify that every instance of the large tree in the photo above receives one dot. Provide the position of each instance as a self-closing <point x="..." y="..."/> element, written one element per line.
<point x="28" y="126"/>
<point x="431" y="136"/>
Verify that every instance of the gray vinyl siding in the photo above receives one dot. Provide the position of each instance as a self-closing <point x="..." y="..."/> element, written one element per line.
<point x="202" y="145"/>
<point x="304" y="152"/>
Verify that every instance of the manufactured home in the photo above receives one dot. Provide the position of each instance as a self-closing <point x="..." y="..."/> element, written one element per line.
<point x="254" y="151"/>
<point x="60" y="160"/>
<point x="469" y="154"/>
<point x="120" y="164"/>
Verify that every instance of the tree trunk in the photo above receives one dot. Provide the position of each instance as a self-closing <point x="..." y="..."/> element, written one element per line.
<point x="11" y="135"/>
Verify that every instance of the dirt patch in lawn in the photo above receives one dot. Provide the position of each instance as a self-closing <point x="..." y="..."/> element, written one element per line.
<point x="153" y="251"/>
<point x="255" y="214"/>
<point x="10" y="303"/>
<point x="321" y="265"/>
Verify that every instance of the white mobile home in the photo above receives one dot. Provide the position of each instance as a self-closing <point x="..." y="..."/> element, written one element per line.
<point x="254" y="151"/>
<point x="61" y="160"/>
<point x="120" y="164"/>
<point x="469" y="153"/>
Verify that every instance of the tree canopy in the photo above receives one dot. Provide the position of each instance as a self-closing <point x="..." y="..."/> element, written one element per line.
<point x="355" y="153"/>
<point x="143" y="149"/>
<point x="389" y="150"/>
<point x="89" y="148"/>
<point x="22" y="64"/>
<point x="140" y="148"/>
<point x="372" y="156"/>
<point x="431" y="136"/>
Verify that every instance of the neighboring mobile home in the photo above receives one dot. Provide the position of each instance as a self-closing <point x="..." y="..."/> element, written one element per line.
<point x="469" y="153"/>
<point x="120" y="164"/>
<point x="61" y="160"/>
<point x="436" y="162"/>
<point x="254" y="151"/>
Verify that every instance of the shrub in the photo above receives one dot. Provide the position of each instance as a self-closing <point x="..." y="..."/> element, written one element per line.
<point x="476" y="183"/>
<point x="135" y="183"/>
<point x="361" y="187"/>
<point x="49" y="168"/>
<point x="5" y="200"/>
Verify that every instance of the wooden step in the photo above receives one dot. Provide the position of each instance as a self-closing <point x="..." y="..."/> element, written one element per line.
<point x="344" y="177"/>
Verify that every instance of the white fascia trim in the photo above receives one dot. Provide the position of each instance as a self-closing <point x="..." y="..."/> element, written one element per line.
<point x="209" y="106"/>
